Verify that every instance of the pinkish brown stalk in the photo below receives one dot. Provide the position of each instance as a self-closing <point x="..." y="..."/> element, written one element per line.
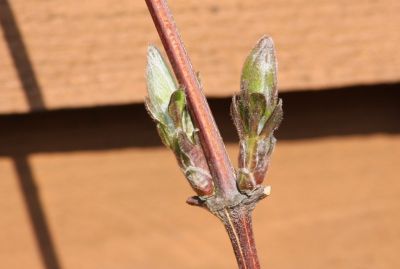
<point x="232" y="207"/>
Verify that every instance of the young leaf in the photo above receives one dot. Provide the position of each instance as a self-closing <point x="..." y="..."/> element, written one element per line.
<point x="272" y="123"/>
<point x="160" y="85"/>
<point x="257" y="107"/>
<point x="176" y="107"/>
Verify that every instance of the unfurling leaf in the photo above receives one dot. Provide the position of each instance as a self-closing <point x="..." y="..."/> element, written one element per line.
<point x="166" y="138"/>
<point x="176" y="107"/>
<point x="273" y="121"/>
<point x="257" y="105"/>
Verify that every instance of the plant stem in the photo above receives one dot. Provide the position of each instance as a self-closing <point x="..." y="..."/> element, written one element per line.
<point x="233" y="208"/>
<point x="238" y="224"/>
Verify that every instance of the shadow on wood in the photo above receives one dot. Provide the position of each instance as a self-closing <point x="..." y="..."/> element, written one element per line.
<point x="20" y="57"/>
<point x="360" y="110"/>
<point x="37" y="215"/>
<point x="30" y="84"/>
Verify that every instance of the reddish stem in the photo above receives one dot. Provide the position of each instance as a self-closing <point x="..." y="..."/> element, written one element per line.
<point x="238" y="223"/>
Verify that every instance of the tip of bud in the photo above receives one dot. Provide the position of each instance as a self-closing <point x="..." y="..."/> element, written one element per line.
<point x="265" y="42"/>
<point x="265" y="50"/>
<point x="152" y="51"/>
<point x="259" y="69"/>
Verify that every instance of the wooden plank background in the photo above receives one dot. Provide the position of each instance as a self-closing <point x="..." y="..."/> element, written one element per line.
<point x="89" y="53"/>
<point x="93" y="189"/>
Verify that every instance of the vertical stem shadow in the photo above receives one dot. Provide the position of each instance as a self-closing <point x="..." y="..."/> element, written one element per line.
<point x="31" y="87"/>
<point x="36" y="213"/>
<point x="20" y="57"/>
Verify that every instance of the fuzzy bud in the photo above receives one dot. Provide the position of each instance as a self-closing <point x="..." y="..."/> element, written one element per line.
<point x="257" y="113"/>
<point x="166" y="103"/>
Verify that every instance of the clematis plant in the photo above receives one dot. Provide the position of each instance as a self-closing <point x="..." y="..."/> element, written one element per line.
<point x="229" y="194"/>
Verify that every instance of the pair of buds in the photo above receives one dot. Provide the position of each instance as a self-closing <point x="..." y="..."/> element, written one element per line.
<point x="256" y="112"/>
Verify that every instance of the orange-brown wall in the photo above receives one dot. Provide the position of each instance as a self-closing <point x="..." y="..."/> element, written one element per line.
<point x="88" y="53"/>
<point x="93" y="188"/>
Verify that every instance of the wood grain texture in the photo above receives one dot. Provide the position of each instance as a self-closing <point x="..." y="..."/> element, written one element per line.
<point x="89" y="53"/>
<point x="112" y="197"/>
<point x="343" y="213"/>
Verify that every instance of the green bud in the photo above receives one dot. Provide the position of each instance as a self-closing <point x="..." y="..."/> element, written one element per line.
<point x="257" y="113"/>
<point x="166" y="103"/>
<point x="259" y="71"/>
<point x="160" y="86"/>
